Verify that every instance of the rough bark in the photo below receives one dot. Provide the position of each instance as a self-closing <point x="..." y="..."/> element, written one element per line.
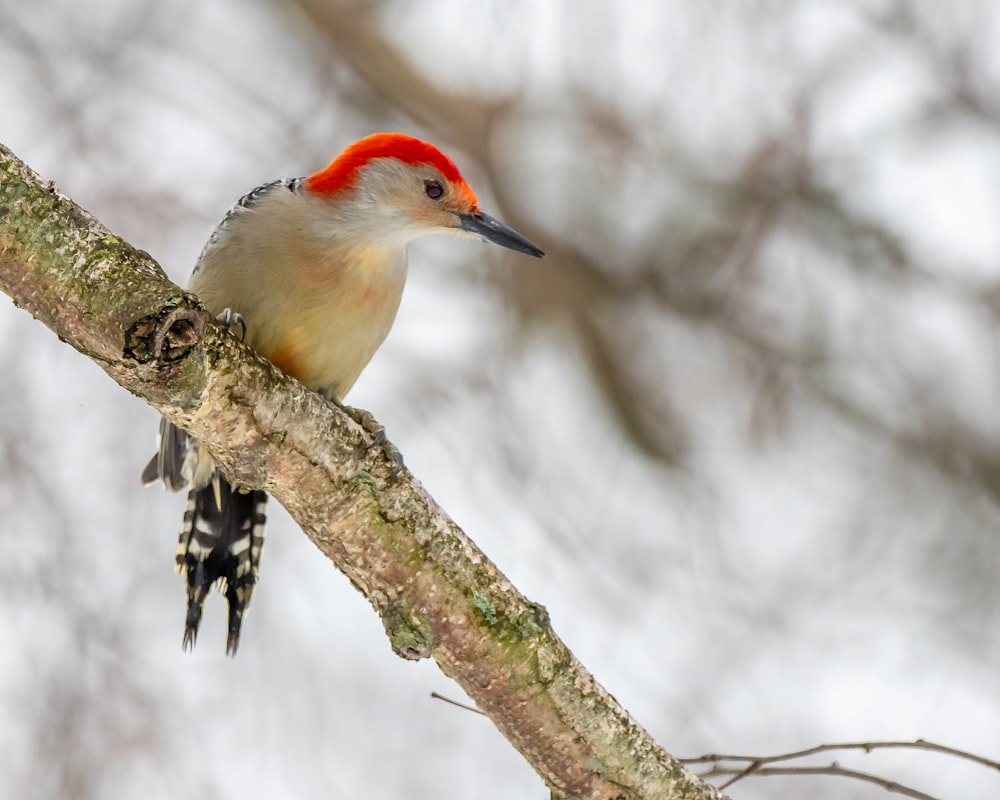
<point x="437" y="594"/>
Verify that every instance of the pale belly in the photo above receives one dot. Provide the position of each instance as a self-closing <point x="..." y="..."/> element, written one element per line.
<point x="327" y="344"/>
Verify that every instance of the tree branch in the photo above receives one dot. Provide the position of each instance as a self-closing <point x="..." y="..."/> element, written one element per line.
<point x="437" y="594"/>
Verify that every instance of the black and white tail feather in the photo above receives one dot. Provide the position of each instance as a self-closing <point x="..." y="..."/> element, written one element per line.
<point x="223" y="528"/>
<point x="222" y="533"/>
<point x="220" y="542"/>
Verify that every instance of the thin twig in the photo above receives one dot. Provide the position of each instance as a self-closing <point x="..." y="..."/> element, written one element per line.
<point x="918" y="744"/>
<point x="437" y="696"/>
<point x="832" y="769"/>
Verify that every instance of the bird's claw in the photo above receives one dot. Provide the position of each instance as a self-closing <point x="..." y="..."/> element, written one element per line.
<point x="379" y="439"/>
<point x="230" y="318"/>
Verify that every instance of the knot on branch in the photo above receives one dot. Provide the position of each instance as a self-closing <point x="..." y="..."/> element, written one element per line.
<point x="410" y="634"/>
<point x="165" y="337"/>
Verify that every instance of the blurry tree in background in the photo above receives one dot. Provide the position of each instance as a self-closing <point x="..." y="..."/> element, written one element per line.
<point x="753" y="387"/>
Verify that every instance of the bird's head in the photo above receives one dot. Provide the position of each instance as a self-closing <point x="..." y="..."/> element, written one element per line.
<point x="400" y="187"/>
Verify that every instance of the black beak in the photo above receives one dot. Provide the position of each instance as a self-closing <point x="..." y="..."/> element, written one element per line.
<point x="495" y="231"/>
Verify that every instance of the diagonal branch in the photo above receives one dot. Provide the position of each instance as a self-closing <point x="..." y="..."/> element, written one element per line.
<point x="437" y="594"/>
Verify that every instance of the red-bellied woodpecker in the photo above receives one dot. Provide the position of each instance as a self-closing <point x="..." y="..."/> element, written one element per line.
<point x="315" y="267"/>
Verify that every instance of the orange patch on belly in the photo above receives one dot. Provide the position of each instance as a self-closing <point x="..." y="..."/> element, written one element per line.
<point x="285" y="359"/>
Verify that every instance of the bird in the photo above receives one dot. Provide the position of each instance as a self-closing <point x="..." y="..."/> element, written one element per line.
<point x="310" y="272"/>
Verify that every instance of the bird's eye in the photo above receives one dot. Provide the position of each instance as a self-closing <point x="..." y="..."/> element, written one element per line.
<point x="433" y="189"/>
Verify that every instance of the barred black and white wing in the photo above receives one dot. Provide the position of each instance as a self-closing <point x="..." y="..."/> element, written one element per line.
<point x="248" y="201"/>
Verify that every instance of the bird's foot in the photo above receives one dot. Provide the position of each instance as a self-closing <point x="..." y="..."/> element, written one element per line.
<point x="377" y="431"/>
<point x="231" y="319"/>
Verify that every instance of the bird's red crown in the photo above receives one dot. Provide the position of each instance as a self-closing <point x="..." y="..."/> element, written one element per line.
<point x="342" y="173"/>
